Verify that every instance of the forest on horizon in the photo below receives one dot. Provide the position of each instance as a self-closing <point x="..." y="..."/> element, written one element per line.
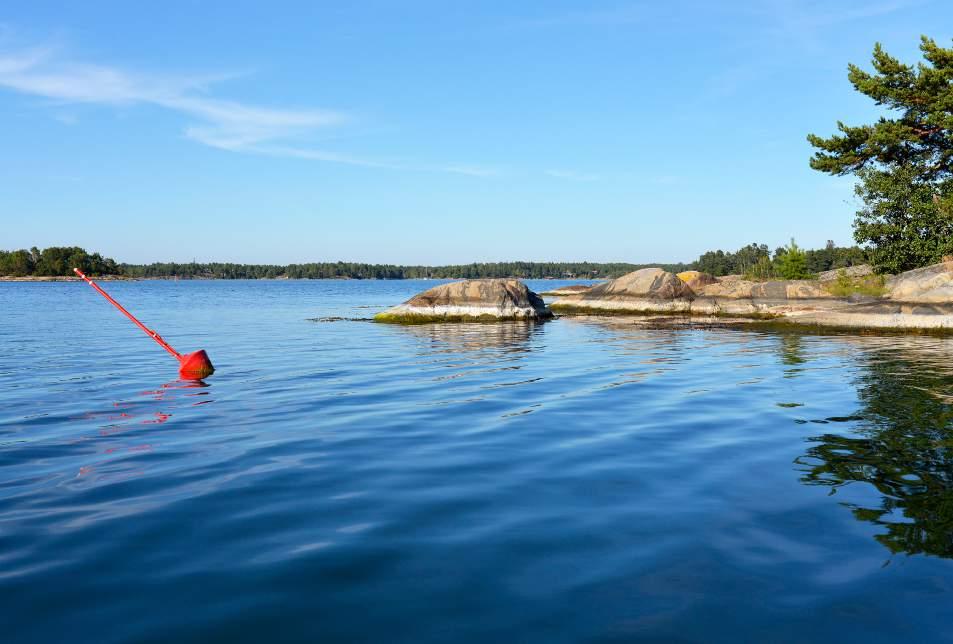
<point x="60" y="261"/>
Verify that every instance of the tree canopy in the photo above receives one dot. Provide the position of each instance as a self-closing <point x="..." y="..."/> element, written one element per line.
<point x="55" y="261"/>
<point x="920" y="136"/>
<point x="755" y="260"/>
<point x="59" y="261"/>
<point x="792" y="262"/>
<point x="904" y="161"/>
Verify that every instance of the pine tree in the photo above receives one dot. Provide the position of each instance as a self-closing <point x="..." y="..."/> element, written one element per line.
<point x="904" y="163"/>
<point x="792" y="262"/>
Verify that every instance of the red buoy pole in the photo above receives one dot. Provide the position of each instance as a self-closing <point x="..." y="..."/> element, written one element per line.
<point x="192" y="365"/>
<point x="152" y="334"/>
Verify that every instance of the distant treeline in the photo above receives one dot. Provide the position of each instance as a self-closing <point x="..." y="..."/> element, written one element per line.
<point x="55" y="261"/>
<point x="750" y="258"/>
<point x="352" y="270"/>
<point x="59" y="261"/>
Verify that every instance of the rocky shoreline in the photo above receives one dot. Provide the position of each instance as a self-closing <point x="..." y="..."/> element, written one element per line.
<point x="64" y="278"/>
<point x="918" y="299"/>
<point x="486" y="300"/>
<point x="921" y="299"/>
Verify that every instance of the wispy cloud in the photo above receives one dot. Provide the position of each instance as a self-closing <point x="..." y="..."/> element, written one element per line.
<point x="572" y="175"/>
<point x="397" y="164"/>
<point x="223" y="124"/>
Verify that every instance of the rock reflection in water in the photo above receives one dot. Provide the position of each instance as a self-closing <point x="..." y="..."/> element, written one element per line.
<point x="902" y="446"/>
<point x="473" y="362"/>
<point x="473" y="338"/>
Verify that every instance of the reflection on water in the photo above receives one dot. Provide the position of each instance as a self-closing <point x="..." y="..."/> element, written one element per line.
<point x="361" y="482"/>
<point x="792" y="353"/>
<point x="472" y="338"/>
<point x="902" y="446"/>
<point x="128" y="416"/>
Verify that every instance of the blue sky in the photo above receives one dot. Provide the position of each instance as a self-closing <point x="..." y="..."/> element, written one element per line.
<point x="432" y="132"/>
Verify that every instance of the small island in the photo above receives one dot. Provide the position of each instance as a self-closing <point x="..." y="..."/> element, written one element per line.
<point x="487" y="300"/>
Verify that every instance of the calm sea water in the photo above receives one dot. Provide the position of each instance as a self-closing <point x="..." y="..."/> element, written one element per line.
<point x="343" y="481"/>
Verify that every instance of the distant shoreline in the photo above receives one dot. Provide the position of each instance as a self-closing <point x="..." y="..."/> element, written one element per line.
<point x="123" y="278"/>
<point x="64" y="278"/>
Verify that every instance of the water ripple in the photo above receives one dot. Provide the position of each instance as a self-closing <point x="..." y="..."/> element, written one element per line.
<point x="579" y="480"/>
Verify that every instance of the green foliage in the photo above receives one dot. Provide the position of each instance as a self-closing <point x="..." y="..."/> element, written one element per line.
<point x="762" y="270"/>
<point x="59" y="261"/>
<point x="408" y="319"/>
<point x="831" y="257"/>
<point x="904" y="163"/>
<point x="55" y="261"/>
<point x="753" y="260"/>
<point x="899" y="448"/>
<point x="791" y="263"/>
<point x="909" y="223"/>
<point x="718" y="262"/>
<point x="844" y="285"/>
<point x="353" y="270"/>
<point x="17" y="263"/>
<point x="919" y="138"/>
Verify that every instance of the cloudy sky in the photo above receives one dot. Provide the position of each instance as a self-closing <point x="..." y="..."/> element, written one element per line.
<point x="432" y="132"/>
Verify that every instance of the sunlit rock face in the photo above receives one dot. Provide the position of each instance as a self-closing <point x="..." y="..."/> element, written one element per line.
<point x="653" y="290"/>
<point x="572" y="289"/>
<point x="861" y="270"/>
<point x="930" y="284"/>
<point x="917" y="299"/>
<point x="778" y="290"/>
<point x="645" y="290"/>
<point x="696" y="280"/>
<point x="922" y="298"/>
<point x="652" y="283"/>
<point x="470" y="300"/>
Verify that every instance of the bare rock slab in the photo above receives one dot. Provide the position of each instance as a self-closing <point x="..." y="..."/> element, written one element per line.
<point x="697" y="280"/>
<point x="645" y="290"/>
<point x="572" y="289"/>
<point x="930" y="284"/>
<point x="653" y="290"/>
<point x="861" y="270"/>
<point x="470" y="300"/>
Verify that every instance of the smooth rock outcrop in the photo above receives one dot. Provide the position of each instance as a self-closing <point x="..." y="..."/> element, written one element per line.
<point x="653" y="283"/>
<point x="917" y="299"/>
<point x="883" y="314"/>
<point x="861" y="270"/>
<point x="774" y="291"/>
<point x="571" y="289"/>
<point x="744" y="297"/>
<point x="652" y="290"/>
<point x="645" y="290"/>
<point x="696" y="280"/>
<point x="930" y="284"/>
<point x="470" y="300"/>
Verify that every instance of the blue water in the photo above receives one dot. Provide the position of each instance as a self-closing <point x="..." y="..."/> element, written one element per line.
<point x="343" y="481"/>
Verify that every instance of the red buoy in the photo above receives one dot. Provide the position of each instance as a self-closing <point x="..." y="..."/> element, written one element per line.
<point x="192" y="366"/>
